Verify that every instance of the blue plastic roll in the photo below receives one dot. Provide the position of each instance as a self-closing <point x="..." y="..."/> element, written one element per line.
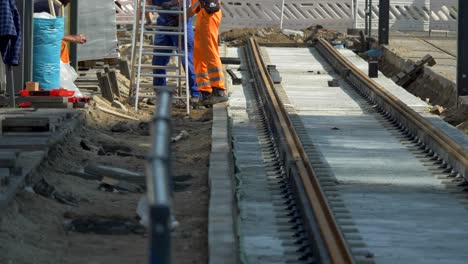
<point x="48" y="35"/>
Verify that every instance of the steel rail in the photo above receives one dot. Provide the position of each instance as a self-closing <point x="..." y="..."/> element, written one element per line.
<point x="449" y="145"/>
<point x="338" y="251"/>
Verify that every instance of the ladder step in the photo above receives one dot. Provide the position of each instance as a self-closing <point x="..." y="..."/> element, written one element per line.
<point x="167" y="54"/>
<point x="152" y="87"/>
<point x="150" y="32"/>
<point x="154" y="96"/>
<point x="160" y="47"/>
<point x="152" y="27"/>
<point x="157" y="67"/>
<point x="158" y="9"/>
<point x="162" y="76"/>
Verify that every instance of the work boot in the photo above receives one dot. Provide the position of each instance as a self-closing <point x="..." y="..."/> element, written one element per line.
<point x="196" y="101"/>
<point x="217" y="96"/>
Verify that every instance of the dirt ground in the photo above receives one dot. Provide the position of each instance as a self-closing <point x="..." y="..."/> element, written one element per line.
<point x="238" y="37"/>
<point x="33" y="228"/>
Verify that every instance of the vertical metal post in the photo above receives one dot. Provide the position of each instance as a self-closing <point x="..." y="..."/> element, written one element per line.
<point x="384" y="21"/>
<point x="370" y="19"/>
<point x="134" y="30"/>
<point x="28" y="40"/>
<point x="366" y="18"/>
<point x="159" y="175"/>
<point x="462" y="56"/>
<point x="10" y="85"/>
<point x="140" y="51"/>
<point x="282" y="15"/>
<point x="186" y="59"/>
<point x="18" y="72"/>
<point x="74" y="28"/>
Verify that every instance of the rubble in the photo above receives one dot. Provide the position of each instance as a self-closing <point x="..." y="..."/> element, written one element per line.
<point x="182" y="135"/>
<point x="47" y="190"/>
<point x="103" y="225"/>
<point x="238" y="37"/>
<point x="437" y="110"/>
<point x="121" y="127"/>
<point x="112" y="185"/>
<point x="119" y="106"/>
<point x="115" y="173"/>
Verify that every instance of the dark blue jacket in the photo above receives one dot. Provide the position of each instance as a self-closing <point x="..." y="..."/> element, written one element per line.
<point x="10" y="32"/>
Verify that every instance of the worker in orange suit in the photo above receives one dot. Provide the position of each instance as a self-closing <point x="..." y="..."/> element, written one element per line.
<point x="207" y="61"/>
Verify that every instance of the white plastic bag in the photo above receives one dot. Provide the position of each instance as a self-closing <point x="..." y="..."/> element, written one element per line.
<point x="67" y="77"/>
<point x="44" y="15"/>
<point x="67" y="72"/>
<point x="142" y="211"/>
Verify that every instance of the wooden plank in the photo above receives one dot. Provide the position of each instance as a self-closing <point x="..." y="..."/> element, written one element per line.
<point x="29" y="144"/>
<point x="53" y="105"/>
<point x="115" y="173"/>
<point x="91" y="87"/>
<point x="25" y="122"/>
<point x="8" y="158"/>
<point x="43" y="99"/>
<point x="114" y="82"/>
<point x="106" y="89"/>
<point x="124" y="68"/>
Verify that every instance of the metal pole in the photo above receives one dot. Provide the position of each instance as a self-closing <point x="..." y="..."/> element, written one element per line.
<point x="366" y="18"/>
<point x="140" y="52"/>
<point x="18" y="72"/>
<point x="10" y="85"/>
<point x="353" y="13"/>
<point x="134" y="30"/>
<point x="370" y="19"/>
<point x="462" y="56"/>
<point x="74" y="29"/>
<point x="282" y="15"/>
<point x="158" y="181"/>
<point x="384" y="21"/>
<point x="186" y="52"/>
<point x="28" y="41"/>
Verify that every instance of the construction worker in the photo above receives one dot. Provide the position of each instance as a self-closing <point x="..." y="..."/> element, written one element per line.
<point x="172" y="20"/>
<point x="208" y="66"/>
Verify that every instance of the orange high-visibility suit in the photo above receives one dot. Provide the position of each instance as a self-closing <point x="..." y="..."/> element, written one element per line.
<point x="64" y="54"/>
<point x="207" y="61"/>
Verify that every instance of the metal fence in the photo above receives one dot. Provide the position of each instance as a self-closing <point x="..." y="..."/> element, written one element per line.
<point x="405" y="15"/>
<point x="412" y="15"/>
<point x="444" y="15"/>
<point x="298" y="14"/>
<point x="125" y="12"/>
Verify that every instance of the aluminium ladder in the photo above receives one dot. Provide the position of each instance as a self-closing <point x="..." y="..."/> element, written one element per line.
<point x="176" y="76"/>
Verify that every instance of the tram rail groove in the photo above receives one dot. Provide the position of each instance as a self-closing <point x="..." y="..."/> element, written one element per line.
<point x="320" y="223"/>
<point x="422" y="132"/>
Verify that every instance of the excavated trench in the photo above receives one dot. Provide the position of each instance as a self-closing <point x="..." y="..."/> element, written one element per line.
<point x="430" y="87"/>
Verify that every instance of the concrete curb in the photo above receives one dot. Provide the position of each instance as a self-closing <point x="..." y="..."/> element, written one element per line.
<point x="221" y="231"/>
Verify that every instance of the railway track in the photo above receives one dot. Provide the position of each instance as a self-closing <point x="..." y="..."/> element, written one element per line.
<point x="341" y="184"/>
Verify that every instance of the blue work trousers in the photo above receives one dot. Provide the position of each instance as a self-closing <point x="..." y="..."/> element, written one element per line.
<point x="173" y="41"/>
